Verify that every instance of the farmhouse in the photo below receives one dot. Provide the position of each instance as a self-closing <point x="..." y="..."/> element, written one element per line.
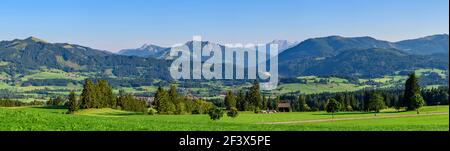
<point x="284" y="106"/>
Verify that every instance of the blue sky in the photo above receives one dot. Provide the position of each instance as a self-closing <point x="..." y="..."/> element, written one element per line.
<point x="117" y="24"/>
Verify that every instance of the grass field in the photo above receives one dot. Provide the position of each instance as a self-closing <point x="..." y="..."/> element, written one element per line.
<point x="433" y="118"/>
<point x="317" y="88"/>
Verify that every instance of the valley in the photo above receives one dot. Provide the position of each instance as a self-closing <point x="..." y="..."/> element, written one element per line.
<point x="40" y="81"/>
<point x="27" y="87"/>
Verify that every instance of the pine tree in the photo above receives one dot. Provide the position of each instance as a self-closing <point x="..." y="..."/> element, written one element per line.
<point x="302" y="103"/>
<point x="255" y="96"/>
<point x="105" y="94"/>
<point x="246" y="104"/>
<point x="163" y="104"/>
<point x="264" y="103"/>
<point x="160" y="93"/>
<point x="376" y="102"/>
<point x="230" y="100"/>
<point x="173" y="96"/>
<point x="100" y="90"/>
<point x="175" y="100"/>
<point x="88" y="96"/>
<point x="240" y="100"/>
<point x="332" y="106"/>
<point x="341" y="99"/>
<point x="411" y="88"/>
<point x="269" y="103"/>
<point x="72" y="105"/>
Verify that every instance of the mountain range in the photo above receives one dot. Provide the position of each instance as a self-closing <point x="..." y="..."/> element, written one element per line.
<point x="333" y="55"/>
<point x="150" y="50"/>
<point x="147" y="50"/>
<point x="363" y="56"/>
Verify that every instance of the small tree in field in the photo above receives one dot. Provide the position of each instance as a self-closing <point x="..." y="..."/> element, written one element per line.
<point x="417" y="102"/>
<point x="376" y="103"/>
<point x="72" y="105"/>
<point x="230" y="100"/>
<point x="215" y="113"/>
<point x="233" y="112"/>
<point x="332" y="106"/>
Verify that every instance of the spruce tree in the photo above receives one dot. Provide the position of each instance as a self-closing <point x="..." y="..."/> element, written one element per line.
<point x="302" y="103"/>
<point x="255" y="96"/>
<point x="264" y="103"/>
<point x="160" y="93"/>
<point x="175" y="100"/>
<point x="332" y="106"/>
<point x="88" y="96"/>
<point x="376" y="102"/>
<point x="163" y="103"/>
<point x="72" y="105"/>
<point x="240" y="100"/>
<point x="173" y="96"/>
<point x="411" y="88"/>
<point x="230" y="100"/>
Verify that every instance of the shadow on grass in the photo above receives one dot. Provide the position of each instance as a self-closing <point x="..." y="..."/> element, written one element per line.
<point x="119" y="114"/>
<point x="50" y="107"/>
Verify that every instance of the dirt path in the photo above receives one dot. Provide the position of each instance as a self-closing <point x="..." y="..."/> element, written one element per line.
<point x="354" y="118"/>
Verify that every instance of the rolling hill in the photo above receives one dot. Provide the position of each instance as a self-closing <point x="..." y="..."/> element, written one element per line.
<point x="361" y="56"/>
<point x="22" y="56"/>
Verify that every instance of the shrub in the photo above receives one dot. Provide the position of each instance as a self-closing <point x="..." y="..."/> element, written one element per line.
<point x="257" y="110"/>
<point x="152" y="111"/>
<point x="215" y="113"/>
<point x="233" y="112"/>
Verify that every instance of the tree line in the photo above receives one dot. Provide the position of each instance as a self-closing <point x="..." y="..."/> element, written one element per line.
<point x="15" y="103"/>
<point x="169" y="102"/>
<point x="409" y="98"/>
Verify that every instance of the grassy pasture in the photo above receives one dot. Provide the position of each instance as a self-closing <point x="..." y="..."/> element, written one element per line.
<point x="41" y="118"/>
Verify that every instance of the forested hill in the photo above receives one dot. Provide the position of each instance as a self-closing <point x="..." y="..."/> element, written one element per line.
<point x="363" y="56"/>
<point x="21" y="56"/>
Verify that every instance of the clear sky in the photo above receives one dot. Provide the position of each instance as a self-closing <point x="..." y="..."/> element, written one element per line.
<point x="118" y="24"/>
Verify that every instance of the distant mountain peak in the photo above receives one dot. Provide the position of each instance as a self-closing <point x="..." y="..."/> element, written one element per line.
<point x="150" y="47"/>
<point x="146" y="50"/>
<point x="35" y="39"/>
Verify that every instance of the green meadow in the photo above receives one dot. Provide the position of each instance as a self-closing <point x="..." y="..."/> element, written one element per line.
<point x="431" y="118"/>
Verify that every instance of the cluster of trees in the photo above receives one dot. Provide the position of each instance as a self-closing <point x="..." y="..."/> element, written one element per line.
<point x="55" y="101"/>
<point x="100" y="95"/>
<point x="169" y="102"/>
<point x="435" y="96"/>
<point x="250" y="99"/>
<point x="48" y="82"/>
<point x="97" y="95"/>
<point x="375" y="103"/>
<point x="16" y="103"/>
<point x="128" y="102"/>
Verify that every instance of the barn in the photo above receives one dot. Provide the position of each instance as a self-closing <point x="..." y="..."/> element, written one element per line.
<point x="284" y="106"/>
